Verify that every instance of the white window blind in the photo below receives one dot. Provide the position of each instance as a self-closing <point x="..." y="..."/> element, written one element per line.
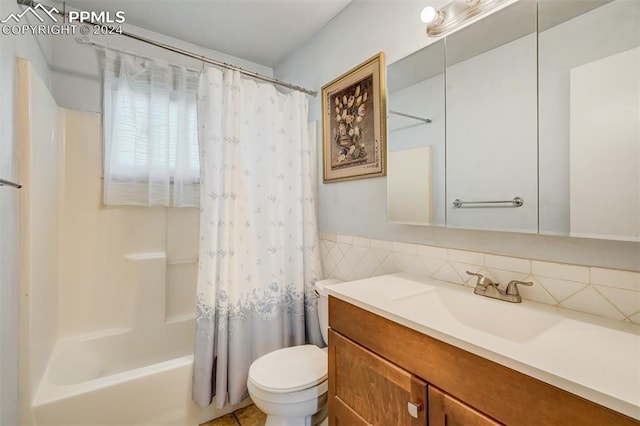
<point x="151" y="155"/>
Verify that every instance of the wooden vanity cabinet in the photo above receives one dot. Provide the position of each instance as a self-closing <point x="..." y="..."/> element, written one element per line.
<point x="377" y="367"/>
<point x="367" y="389"/>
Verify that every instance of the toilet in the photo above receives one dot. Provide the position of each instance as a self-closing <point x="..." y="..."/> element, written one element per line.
<point x="290" y="385"/>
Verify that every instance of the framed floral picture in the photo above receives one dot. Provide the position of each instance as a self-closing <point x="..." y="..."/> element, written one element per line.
<point x="354" y="123"/>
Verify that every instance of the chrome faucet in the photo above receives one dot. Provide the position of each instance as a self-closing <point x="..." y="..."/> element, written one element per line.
<point x="486" y="287"/>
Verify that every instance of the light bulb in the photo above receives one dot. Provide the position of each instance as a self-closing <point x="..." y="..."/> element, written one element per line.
<point x="428" y="14"/>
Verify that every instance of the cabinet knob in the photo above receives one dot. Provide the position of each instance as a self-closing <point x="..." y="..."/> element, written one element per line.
<point x="414" y="409"/>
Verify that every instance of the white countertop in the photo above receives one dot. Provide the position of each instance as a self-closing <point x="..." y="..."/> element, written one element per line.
<point x="595" y="358"/>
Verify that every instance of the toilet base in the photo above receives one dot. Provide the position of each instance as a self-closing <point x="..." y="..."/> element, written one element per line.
<point x="318" y="419"/>
<point x="288" y="421"/>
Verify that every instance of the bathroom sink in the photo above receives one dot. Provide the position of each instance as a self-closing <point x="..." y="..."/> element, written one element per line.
<point x="516" y="322"/>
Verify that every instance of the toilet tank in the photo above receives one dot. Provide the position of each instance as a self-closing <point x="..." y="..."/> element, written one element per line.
<point x="323" y="306"/>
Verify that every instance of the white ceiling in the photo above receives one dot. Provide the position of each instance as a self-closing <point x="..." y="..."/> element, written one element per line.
<point x="262" y="31"/>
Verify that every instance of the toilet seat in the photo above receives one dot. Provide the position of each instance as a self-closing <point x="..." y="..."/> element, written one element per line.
<point x="289" y="370"/>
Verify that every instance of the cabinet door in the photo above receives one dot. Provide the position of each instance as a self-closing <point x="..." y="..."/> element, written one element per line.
<point x="366" y="389"/>
<point x="444" y="410"/>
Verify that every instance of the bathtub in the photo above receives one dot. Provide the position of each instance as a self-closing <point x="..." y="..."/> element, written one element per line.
<point x="122" y="378"/>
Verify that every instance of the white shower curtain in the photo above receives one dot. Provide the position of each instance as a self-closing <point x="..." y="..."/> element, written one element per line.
<point x="258" y="233"/>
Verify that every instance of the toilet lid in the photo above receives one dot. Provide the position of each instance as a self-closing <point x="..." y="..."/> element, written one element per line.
<point x="290" y="369"/>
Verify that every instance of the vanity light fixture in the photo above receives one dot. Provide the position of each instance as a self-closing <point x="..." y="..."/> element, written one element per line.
<point x="454" y="14"/>
<point x="429" y="14"/>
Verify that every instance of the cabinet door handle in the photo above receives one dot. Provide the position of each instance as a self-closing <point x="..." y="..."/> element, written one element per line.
<point x="414" y="409"/>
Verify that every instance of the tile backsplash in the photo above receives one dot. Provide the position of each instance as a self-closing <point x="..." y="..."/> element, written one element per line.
<point x="608" y="293"/>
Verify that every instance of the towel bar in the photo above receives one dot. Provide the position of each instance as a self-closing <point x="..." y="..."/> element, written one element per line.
<point x="516" y="202"/>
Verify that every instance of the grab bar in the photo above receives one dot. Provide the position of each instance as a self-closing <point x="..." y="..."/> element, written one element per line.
<point x="9" y="183"/>
<point x="516" y="202"/>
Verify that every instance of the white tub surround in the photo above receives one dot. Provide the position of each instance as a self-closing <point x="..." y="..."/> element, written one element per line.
<point x="112" y="333"/>
<point x="123" y="378"/>
<point x="592" y="357"/>
<point x="40" y="142"/>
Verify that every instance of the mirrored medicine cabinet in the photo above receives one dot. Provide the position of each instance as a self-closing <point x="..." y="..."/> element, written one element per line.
<point x="527" y="120"/>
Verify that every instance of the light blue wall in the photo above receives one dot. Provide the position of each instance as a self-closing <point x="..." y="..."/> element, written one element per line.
<point x="358" y="207"/>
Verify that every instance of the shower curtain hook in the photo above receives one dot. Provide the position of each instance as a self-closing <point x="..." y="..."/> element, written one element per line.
<point x="202" y="70"/>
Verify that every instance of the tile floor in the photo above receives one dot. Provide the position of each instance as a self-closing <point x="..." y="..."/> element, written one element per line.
<point x="248" y="416"/>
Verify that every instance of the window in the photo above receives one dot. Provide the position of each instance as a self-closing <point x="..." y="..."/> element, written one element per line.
<point x="151" y="152"/>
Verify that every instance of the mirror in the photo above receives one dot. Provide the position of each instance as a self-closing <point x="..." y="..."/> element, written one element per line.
<point x="542" y="103"/>
<point x="416" y="138"/>
<point x="491" y="115"/>
<point x="589" y="82"/>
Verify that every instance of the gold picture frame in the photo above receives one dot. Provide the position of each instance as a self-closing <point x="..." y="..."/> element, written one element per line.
<point x="354" y="123"/>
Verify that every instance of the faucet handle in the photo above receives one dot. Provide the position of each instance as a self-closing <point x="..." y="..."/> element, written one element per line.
<point x="512" y="287"/>
<point x="482" y="280"/>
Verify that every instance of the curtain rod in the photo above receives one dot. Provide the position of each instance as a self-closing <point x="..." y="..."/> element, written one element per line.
<point x="202" y="58"/>
<point x="91" y="42"/>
